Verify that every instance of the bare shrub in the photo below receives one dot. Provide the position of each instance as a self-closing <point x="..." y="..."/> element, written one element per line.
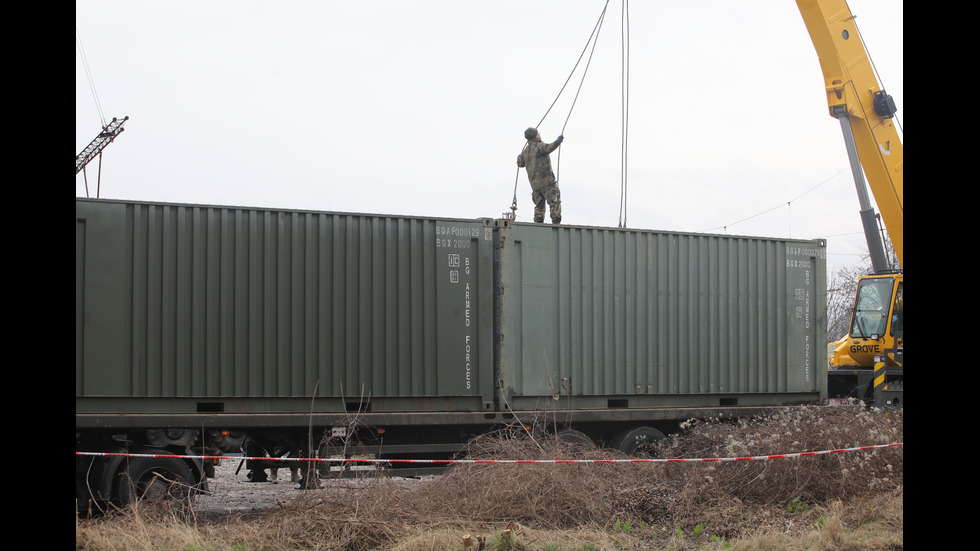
<point x="792" y="484"/>
<point x="770" y="500"/>
<point x="801" y="429"/>
<point x="551" y="495"/>
<point x="563" y="495"/>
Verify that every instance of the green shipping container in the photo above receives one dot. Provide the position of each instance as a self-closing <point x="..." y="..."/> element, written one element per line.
<point x="194" y="308"/>
<point x="617" y="318"/>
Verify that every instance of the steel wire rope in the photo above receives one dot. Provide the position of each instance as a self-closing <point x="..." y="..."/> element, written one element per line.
<point x="98" y="108"/>
<point x="594" y="34"/>
<point x="585" y="71"/>
<point x="624" y="139"/>
<point x="88" y="76"/>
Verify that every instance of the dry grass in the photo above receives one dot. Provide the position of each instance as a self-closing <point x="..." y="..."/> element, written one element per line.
<point x="838" y="501"/>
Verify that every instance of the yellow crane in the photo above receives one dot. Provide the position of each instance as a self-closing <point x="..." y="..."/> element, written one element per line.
<point x="869" y="360"/>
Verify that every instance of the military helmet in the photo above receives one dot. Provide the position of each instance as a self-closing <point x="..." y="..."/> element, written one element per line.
<point x="530" y="133"/>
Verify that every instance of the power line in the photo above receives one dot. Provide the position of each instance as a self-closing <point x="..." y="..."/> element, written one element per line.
<point x="780" y="205"/>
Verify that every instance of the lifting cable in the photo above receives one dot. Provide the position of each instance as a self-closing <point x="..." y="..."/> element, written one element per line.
<point x="593" y="39"/>
<point x="625" y="70"/>
<point x="88" y="76"/>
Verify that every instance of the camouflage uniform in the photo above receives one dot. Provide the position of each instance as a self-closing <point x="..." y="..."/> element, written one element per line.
<point x="535" y="158"/>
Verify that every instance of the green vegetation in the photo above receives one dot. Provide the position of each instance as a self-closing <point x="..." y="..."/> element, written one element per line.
<point x="795" y="505"/>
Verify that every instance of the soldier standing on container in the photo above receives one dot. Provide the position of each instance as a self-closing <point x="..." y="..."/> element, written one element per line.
<point x="536" y="159"/>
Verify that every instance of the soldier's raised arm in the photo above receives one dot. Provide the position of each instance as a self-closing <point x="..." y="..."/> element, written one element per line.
<point x="548" y="148"/>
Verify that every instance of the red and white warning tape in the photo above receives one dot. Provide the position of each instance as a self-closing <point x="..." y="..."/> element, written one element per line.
<point x="503" y="461"/>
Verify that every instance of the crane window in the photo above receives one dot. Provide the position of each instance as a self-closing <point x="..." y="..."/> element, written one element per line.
<point x="871" y="308"/>
<point x="898" y="314"/>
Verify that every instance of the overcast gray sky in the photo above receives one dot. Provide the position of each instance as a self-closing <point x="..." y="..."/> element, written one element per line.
<point x="418" y="108"/>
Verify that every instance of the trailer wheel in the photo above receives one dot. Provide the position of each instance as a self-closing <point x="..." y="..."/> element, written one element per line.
<point x="638" y="440"/>
<point x="226" y="441"/>
<point x="574" y="437"/>
<point x="157" y="479"/>
<point x="162" y="438"/>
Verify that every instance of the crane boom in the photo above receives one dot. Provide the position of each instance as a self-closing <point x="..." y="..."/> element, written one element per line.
<point x="108" y="134"/>
<point x="869" y="361"/>
<point x="864" y="109"/>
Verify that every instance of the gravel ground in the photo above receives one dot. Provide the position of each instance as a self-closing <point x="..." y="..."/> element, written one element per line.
<point x="230" y="493"/>
<point x="233" y="494"/>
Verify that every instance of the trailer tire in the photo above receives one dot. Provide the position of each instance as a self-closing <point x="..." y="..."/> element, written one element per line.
<point x="575" y="438"/>
<point x="155" y="478"/>
<point x="638" y="440"/>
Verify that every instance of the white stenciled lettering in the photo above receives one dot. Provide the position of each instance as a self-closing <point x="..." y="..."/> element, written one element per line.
<point x="807" y="305"/>
<point x="465" y="232"/>
<point x="806" y="373"/>
<point x="453" y="243"/>
<point x="466" y="362"/>
<point x="809" y="252"/>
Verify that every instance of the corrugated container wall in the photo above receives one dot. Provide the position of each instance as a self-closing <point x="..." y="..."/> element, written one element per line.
<point x="627" y="318"/>
<point x="189" y="308"/>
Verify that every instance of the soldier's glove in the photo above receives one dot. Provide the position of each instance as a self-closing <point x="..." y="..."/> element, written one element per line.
<point x="560" y="139"/>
